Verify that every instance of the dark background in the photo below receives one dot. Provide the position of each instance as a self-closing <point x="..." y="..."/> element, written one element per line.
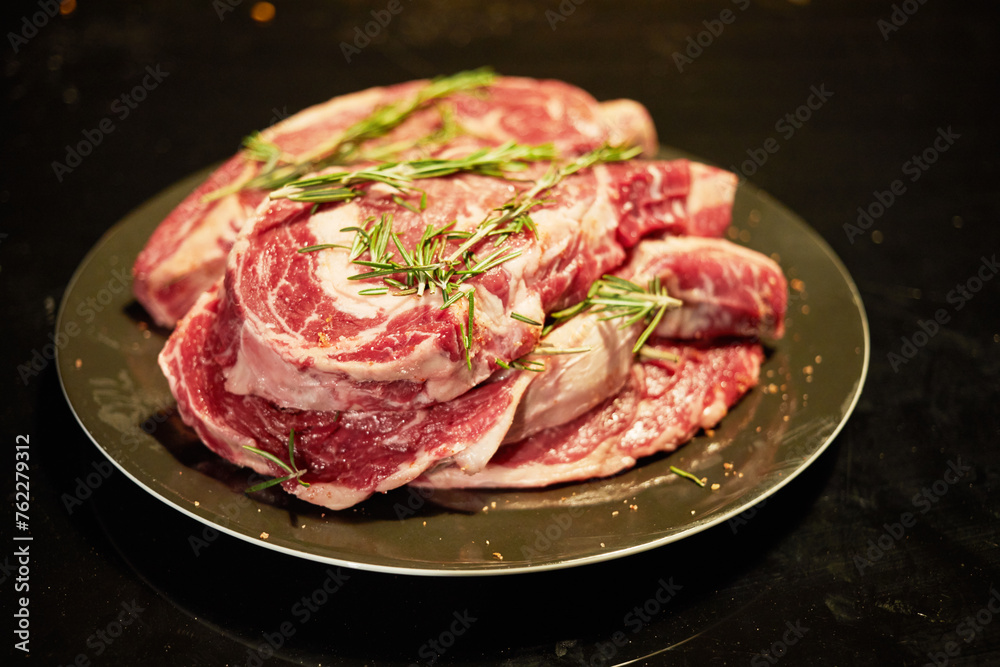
<point x="795" y="564"/>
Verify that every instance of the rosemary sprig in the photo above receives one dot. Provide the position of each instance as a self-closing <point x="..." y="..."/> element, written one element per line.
<point x="552" y="351"/>
<point x="492" y="161"/>
<point x="279" y="168"/>
<point x="388" y="117"/>
<point x="535" y="366"/>
<point x="449" y="129"/>
<point x="522" y="364"/>
<point x="426" y="267"/>
<point x="686" y="475"/>
<point x="523" y="318"/>
<point x="262" y="151"/>
<point x="514" y="213"/>
<point x="467" y="339"/>
<point x="293" y="471"/>
<point x="499" y="162"/>
<point x="621" y="298"/>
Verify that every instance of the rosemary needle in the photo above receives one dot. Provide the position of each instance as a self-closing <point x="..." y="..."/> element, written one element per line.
<point x="293" y="471"/>
<point x="523" y="318"/>
<point x="686" y="475"/>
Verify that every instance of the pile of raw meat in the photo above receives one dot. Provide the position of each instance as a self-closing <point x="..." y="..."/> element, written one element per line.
<point x="393" y="386"/>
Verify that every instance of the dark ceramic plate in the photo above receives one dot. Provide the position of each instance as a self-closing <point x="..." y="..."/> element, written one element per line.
<point x="810" y="382"/>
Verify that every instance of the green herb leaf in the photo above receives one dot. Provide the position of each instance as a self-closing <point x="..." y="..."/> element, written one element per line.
<point x="269" y="483"/>
<point x="427" y="266"/>
<point x="279" y="170"/>
<point x="270" y="457"/>
<point x="322" y="246"/>
<point x="334" y="186"/>
<point x="290" y="468"/>
<point x="620" y="298"/>
<point x="550" y="351"/>
<point x="687" y="475"/>
<point x="522" y="318"/>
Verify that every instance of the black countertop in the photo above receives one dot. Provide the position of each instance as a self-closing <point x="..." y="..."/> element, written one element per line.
<point x="885" y="551"/>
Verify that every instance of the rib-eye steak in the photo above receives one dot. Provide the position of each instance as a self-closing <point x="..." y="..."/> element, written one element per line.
<point x="347" y="456"/>
<point x="187" y="252"/>
<point x="307" y="339"/>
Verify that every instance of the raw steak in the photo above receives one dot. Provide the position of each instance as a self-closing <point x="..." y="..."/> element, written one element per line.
<point x="348" y="456"/>
<point x="727" y="291"/>
<point x="187" y="252"/>
<point x="662" y="406"/>
<point x="307" y="340"/>
<point x="353" y="454"/>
